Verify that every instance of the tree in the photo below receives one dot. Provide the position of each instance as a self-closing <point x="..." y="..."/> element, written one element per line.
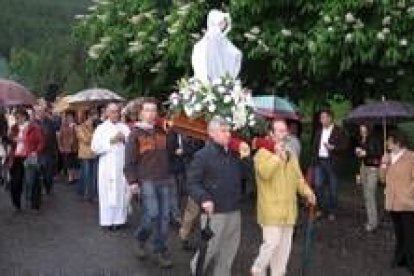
<point x="304" y="48"/>
<point x="59" y="62"/>
<point x="37" y="45"/>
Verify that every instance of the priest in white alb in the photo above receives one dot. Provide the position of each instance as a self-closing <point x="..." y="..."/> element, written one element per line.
<point x="108" y="143"/>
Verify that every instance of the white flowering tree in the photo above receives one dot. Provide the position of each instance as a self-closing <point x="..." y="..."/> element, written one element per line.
<point x="357" y="47"/>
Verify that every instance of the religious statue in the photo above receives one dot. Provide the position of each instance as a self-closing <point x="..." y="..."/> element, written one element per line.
<point x="215" y="88"/>
<point x="215" y="56"/>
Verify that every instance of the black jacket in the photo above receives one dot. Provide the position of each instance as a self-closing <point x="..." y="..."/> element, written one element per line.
<point x="217" y="175"/>
<point x="50" y="150"/>
<point x="374" y="150"/>
<point x="340" y="142"/>
<point x="189" y="146"/>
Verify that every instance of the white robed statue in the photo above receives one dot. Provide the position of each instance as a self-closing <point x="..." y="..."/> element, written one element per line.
<point x="215" y="56"/>
<point x="108" y="143"/>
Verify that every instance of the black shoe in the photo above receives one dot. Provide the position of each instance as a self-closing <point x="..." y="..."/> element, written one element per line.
<point x="398" y="262"/>
<point x="116" y="227"/>
<point x="141" y="252"/>
<point x="106" y="228"/>
<point x="188" y="246"/>
<point x="176" y="222"/>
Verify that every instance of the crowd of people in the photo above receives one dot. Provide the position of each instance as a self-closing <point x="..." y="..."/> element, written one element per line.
<point x="182" y="181"/>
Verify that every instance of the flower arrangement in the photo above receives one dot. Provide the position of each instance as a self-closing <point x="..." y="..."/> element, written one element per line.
<point x="225" y="97"/>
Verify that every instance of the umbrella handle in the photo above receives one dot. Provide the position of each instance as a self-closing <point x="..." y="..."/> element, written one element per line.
<point x="384" y="127"/>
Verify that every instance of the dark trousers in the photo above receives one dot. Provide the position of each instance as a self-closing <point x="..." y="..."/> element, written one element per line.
<point x="16" y="181"/>
<point x="47" y="169"/>
<point x="87" y="183"/>
<point x="404" y="239"/>
<point x="33" y="187"/>
<point x="325" y="175"/>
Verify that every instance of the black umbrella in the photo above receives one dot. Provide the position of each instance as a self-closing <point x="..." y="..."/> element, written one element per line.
<point x="377" y="112"/>
<point x="205" y="235"/>
<point x="382" y="112"/>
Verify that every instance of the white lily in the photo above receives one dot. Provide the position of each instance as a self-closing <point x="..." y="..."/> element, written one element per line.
<point x="212" y="108"/>
<point x="198" y="107"/>
<point x="227" y="99"/>
<point x="221" y="89"/>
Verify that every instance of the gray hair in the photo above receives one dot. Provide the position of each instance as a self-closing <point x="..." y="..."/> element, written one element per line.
<point x="217" y="122"/>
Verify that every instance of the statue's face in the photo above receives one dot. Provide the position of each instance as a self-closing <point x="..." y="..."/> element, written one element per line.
<point x="223" y="24"/>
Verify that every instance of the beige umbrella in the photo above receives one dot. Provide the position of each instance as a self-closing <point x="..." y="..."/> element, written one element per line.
<point x="62" y="104"/>
<point x="94" y="96"/>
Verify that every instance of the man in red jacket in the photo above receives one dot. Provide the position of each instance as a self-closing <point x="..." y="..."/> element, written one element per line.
<point x="34" y="144"/>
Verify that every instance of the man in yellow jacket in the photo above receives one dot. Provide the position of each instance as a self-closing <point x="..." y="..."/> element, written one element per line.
<point x="279" y="180"/>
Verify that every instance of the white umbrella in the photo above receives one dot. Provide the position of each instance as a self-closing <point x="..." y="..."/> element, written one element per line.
<point x="95" y="95"/>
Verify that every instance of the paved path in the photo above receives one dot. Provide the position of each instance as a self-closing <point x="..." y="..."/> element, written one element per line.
<point x="64" y="239"/>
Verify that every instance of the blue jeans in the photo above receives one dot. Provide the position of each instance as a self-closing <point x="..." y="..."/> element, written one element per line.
<point x="155" y="218"/>
<point x="87" y="182"/>
<point x="47" y="169"/>
<point x="32" y="183"/>
<point x="324" y="174"/>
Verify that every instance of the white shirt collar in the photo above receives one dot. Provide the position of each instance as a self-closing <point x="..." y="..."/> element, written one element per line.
<point x="395" y="156"/>
<point x="329" y="128"/>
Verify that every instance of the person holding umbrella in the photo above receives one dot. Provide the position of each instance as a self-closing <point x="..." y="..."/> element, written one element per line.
<point x="369" y="151"/>
<point x="279" y="179"/>
<point x="397" y="169"/>
<point x="215" y="179"/>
